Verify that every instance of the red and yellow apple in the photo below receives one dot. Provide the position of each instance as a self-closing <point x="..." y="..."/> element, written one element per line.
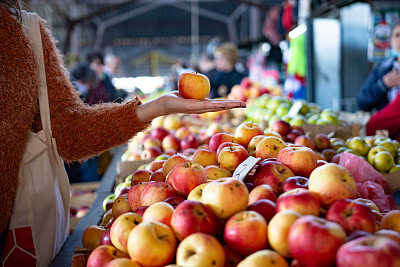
<point x="301" y="160"/>
<point x="185" y="177"/>
<point x="193" y="85"/>
<point x="159" y="212"/>
<point x="120" y="229"/>
<point x="300" y="200"/>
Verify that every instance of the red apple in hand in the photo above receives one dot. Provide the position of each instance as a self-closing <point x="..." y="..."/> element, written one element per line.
<point x="295" y="182"/>
<point x="246" y="232"/>
<point x="351" y="215"/>
<point x="193" y="85"/>
<point x="314" y="241"/>
<point x="369" y="251"/>
<point x="301" y="160"/>
<point x="192" y="216"/>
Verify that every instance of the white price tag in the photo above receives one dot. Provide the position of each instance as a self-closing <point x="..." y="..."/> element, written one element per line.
<point x="294" y="110"/>
<point x="245" y="167"/>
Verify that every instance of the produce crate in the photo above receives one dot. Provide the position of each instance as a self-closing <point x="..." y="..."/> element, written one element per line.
<point x="124" y="168"/>
<point x="344" y="132"/>
<point x="393" y="180"/>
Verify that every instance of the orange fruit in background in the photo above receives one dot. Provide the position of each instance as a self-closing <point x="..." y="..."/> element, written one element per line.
<point x="391" y="221"/>
<point x="91" y="236"/>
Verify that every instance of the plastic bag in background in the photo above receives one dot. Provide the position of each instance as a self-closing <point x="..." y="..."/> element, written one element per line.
<point x="370" y="183"/>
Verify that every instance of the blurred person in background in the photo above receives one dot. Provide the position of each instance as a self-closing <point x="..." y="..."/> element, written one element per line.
<point x="104" y="90"/>
<point x="111" y="65"/>
<point x="83" y="78"/>
<point x="72" y="130"/>
<point x="383" y="83"/>
<point x="225" y="57"/>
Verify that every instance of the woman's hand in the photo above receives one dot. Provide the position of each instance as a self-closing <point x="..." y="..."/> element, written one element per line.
<point x="174" y="103"/>
<point x="392" y="78"/>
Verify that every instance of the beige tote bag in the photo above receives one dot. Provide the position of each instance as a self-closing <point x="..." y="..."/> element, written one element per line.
<point x="39" y="223"/>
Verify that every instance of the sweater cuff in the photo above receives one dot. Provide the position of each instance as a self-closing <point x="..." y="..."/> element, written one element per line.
<point x="382" y="86"/>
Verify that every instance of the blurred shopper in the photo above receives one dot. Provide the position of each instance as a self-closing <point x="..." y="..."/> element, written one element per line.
<point x="225" y="57"/>
<point x="104" y="90"/>
<point x="111" y="65"/>
<point x="83" y="78"/>
<point x="207" y="65"/>
<point x="383" y="83"/>
<point x="43" y="123"/>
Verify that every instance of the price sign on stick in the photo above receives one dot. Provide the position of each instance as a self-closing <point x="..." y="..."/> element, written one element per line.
<point x="245" y="167"/>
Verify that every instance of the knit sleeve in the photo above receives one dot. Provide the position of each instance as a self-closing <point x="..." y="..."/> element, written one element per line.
<point x="80" y="130"/>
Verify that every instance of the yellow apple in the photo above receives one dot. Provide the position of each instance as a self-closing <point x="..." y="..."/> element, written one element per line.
<point x="160" y="212"/>
<point x="265" y="258"/>
<point x="226" y="196"/>
<point x="193" y="85"/>
<point x="152" y="244"/>
<point x="200" y="249"/>
<point x="246" y="131"/>
<point x="205" y="157"/>
<point x="215" y="172"/>
<point x="331" y="182"/>
<point x="269" y="147"/>
<point x="196" y="193"/>
<point x="120" y="229"/>
<point x="278" y="229"/>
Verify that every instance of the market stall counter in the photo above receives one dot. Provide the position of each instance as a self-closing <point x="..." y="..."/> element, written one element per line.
<point x="93" y="216"/>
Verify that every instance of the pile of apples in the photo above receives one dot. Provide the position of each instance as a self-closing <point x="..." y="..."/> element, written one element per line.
<point x="248" y="91"/>
<point x="290" y="209"/>
<point x="271" y="108"/>
<point x="383" y="153"/>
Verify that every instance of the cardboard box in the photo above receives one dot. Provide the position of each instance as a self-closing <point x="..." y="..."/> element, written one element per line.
<point x="393" y="180"/>
<point x="344" y="132"/>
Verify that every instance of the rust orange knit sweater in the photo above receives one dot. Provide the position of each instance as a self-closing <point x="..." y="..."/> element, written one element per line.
<point x="81" y="131"/>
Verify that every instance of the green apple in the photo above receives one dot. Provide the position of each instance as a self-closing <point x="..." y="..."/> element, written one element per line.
<point x="395" y="168"/>
<point x="341" y="149"/>
<point x="390" y="146"/>
<point x="283" y="109"/>
<point x="322" y="121"/>
<point x="332" y="118"/>
<point x="108" y="199"/>
<point x="304" y="106"/>
<point x="329" y="111"/>
<point x="357" y="143"/>
<point x="274" y="102"/>
<point x="352" y="151"/>
<point x="120" y="186"/>
<point x="369" y="140"/>
<point x="313" y="119"/>
<point x="383" y="161"/>
<point x="128" y="178"/>
<point x="272" y="119"/>
<point x="286" y="118"/>
<point x="373" y="151"/>
<point x="143" y="166"/>
<point x="314" y="108"/>
<point x="162" y="157"/>
<point x="337" y="144"/>
<point x="298" y="120"/>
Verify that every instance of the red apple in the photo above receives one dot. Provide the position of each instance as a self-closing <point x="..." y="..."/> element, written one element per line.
<point x="185" y="177"/>
<point x="322" y="142"/>
<point x="272" y="173"/>
<point x="304" y="140"/>
<point x="301" y="160"/>
<point x="150" y="153"/>
<point x="182" y="131"/>
<point x="155" y="165"/>
<point x="140" y="211"/>
<point x="246" y="232"/>
<point x="173" y="161"/>
<point x="231" y="157"/>
<point x="159" y="132"/>
<point x="155" y="192"/>
<point x="174" y="201"/>
<point x="157" y="176"/>
<point x="369" y="251"/>
<point x="192" y="216"/>
<point x="226" y="144"/>
<point x="291" y="136"/>
<point x="122" y="262"/>
<point x="232" y="258"/>
<point x="134" y="195"/>
<point x="217" y="139"/>
<point x="295" y="182"/>
<point x="102" y="255"/>
<point x="262" y="191"/>
<point x="328" y="153"/>
<point x="193" y="85"/>
<point x="140" y="175"/>
<point x="190" y="141"/>
<point x="280" y="126"/>
<point x="105" y="238"/>
<point x="246" y="131"/>
<point x="351" y="215"/>
<point x="314" y="241"/>
<point x="300" y="200"/>
<point x="264" y="207"/>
